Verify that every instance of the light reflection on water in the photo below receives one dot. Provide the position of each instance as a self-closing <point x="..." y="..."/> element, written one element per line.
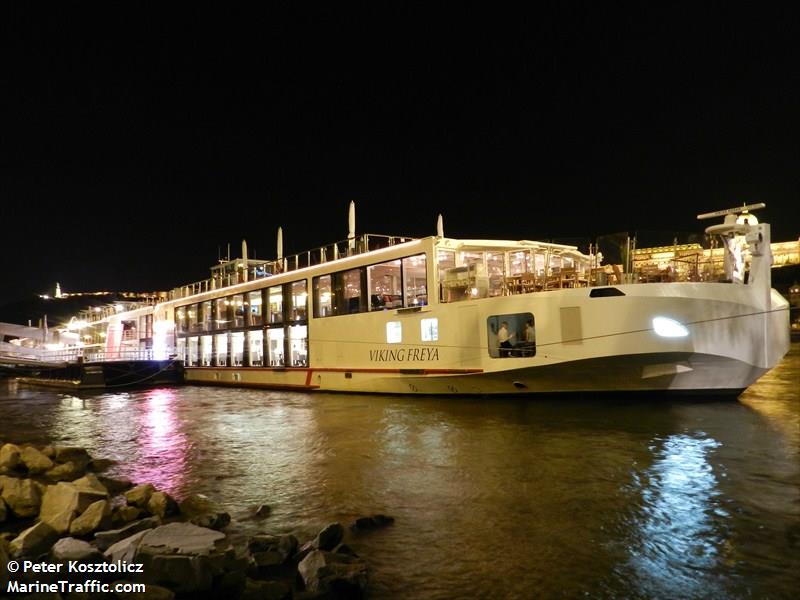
<point x="493" y="498"/>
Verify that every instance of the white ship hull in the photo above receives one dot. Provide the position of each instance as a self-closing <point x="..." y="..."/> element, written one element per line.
<point x="583" y="344"/>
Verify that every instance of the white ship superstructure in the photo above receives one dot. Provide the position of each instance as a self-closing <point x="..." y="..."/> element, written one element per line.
<point x="437" y="315"/>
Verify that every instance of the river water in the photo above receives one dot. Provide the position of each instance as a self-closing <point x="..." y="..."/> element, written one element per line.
<point x="493" y="498"/>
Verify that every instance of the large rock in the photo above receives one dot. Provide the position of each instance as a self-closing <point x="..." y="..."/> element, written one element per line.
<point x="181" y="556"/>
<point x="67" y="471"/>
<point x="33" y="541"/>
<point x="125" y="549"/>
<point x="9" y="457"/>
<point x="67" y="549"/>
<point x="35" y="461"/>
<point x="200" y="510"/>
<point x="340" y="574"/>
<point x="266" y="590"/>
<point x="22" y="496"/>
<point x="272" y="550"/>
<point x="162" y="505"/>
<point x="182" y="538"/>
<point x="65" y="498"/>
<point x="369" y="523"/>
<point x="139" y="495"/>
<point x="115" y="486"/>
<point x="122" y="515"/>
<point x="3" y="510"/>
<point x="105" y="539"/>
<point x="92" y="518"/>
<point x="329" y="537"/>
<point x="90" y="482"/>
<point x="79" y="456"/>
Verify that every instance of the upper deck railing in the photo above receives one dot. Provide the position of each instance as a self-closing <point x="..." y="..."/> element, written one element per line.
<point x="360" y="244"/>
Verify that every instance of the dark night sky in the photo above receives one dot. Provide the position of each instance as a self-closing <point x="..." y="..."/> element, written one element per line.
<point x="136" y="143"/>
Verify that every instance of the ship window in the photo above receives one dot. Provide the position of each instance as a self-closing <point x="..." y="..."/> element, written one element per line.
<point x="299" y="300"/>
<point x="254" y="308"/>
<point x="394" y="332"/>
<point x="322" y="296"/>
<point x="512" y="335"/>
<point x="193" y="354"/>
<point x="298" y="345"/>
<point x="205" y="350"/>
<point x="415" y="280"/>
<point x="385" y="285"/>
<point x="221" y="317"/>
<point x="192" y="313"/>
<point x="275" y="296"/>
<point x="496" y="269"/>
<point x="255" y="340"/>
<point x="238" y="310"/>
<point x="275" y="347"/>
<point x="429" y="330"/>
<point x="206" y="316"/>
<point x="237" y="343"/>
<point x="222" y="349"/>
<point x="180" y="319"/>
<point x="180" y="350"/>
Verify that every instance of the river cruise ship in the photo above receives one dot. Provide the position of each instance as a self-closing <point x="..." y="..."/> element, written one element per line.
<point x="437" y="315"/>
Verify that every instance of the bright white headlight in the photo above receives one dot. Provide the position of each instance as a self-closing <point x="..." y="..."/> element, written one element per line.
<point x="666" y="327"/>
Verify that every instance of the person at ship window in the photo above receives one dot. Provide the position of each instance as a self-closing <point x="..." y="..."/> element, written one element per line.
<point x="504" y="340"/>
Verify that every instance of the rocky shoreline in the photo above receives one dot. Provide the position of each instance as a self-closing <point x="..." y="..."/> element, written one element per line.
<point x="59" y="512"/>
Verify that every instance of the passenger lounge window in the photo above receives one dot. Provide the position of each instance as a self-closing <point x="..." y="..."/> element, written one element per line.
<point x="512" y="335"/>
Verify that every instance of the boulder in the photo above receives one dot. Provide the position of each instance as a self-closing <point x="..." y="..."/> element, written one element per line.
<point x="67" y="471"/>
<point x="9" y="457"/>
<point x="61" y="522"/>
<point x="90" y="482"/>
<point x="3" y="510"/>
<point x="125" y="549"/>
<point x="91" y="519"/>
<point x="266" y="590"/>
<point x="373" y="522"/>
<point x="105" y="539"/>
<point x="329" y="537"/>
<point x="343" y="575"/>
<point x="115" y="486"/>
<point x="271" y="550"/>
<point x="182" y="538"/>
<point x="35" y="461"/>
<point x="67" y="549"/>
<point x="66" y="496"/>
<point x="49" y="451"/>
<point x="98" y="465"/>
<point x="181" y="556"/>
<point x="22" y="496"/>
<point x="124" y="514"/>
<point x="162" y="505"/>
<point x="139" y="495"/>
<point x="33" y="541"/>
<point x="200" y="510"/>
<point x="79" y="456"/>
